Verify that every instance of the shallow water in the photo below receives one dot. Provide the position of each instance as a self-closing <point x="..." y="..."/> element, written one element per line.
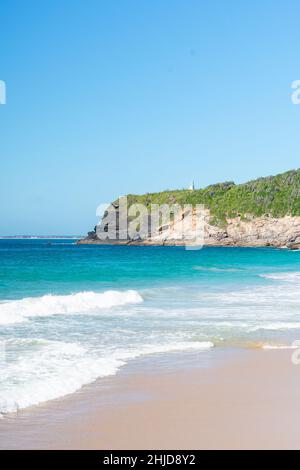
<point x="70" y="314"/>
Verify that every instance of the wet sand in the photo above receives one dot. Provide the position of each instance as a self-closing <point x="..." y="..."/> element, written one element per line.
<point x="223" y="399"/>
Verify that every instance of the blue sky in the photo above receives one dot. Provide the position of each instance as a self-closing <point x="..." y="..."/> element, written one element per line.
<point x="107" y="98"/>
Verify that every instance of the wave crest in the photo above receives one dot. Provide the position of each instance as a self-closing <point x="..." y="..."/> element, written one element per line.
<point x="16" y="311"/>
<point x="289" y="277"/>
<point x="44" y="369"/>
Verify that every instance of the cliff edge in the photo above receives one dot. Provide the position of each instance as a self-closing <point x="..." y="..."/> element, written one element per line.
<point x="262" y="212"/>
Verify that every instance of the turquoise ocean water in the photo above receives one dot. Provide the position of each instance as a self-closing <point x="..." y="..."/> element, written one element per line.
<point x="72" y="314"/>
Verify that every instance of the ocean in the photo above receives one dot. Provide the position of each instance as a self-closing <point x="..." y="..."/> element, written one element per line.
<point x="71" y="314"/>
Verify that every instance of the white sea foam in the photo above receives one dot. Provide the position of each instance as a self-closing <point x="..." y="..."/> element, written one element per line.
<point x="164" y="348"/>
<point x="276" y="326"/>
<point x="290" y="277"/>
<point x="216" y="269"/>
<point x="15" y="311"/>
<point x="44" y="370"/>
<point x="39" y="370"/>
<point x="278" y="346"/>
<point x="262" y="296"/>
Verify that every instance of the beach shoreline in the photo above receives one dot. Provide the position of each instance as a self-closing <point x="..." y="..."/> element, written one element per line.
<point x="172" y="243"/>
<point x="219" y="399"/>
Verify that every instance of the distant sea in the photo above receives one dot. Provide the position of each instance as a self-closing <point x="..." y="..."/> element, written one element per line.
<point x="72" y="314"/>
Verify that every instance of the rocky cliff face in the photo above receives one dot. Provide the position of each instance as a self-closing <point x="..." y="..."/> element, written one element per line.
<point x="262" y="212"/>
<point x="252" y="231"/>
<point x="262" y="231"/>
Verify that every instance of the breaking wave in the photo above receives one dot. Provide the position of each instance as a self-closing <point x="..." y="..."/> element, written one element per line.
<point x="16" y="311"/>
<point x="290" y="277"/>
<point x="38" y="370"/>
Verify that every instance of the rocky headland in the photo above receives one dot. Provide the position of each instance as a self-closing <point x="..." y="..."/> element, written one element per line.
<point x="259" y="213"/>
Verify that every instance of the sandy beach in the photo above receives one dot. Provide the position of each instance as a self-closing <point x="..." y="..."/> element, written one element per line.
<point x="225" y="399"/>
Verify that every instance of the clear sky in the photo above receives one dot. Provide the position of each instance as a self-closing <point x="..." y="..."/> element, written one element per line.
<point x="110" y="97"/>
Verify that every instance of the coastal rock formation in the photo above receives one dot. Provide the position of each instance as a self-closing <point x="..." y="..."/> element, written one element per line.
<point x="256" y="232"/>
<point x="263" y="212"/>
<point x="262" y="231"/>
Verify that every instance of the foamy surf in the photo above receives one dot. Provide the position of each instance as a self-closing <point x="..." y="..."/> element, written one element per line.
<point x="276" y="326"/>
<point x="216" y="269"/>
<point x="53" y="345"/>
<point x="278" y="346"/>
<point x="44" y="370"/>
<point x="149" y="349"/>
<point x="289" y="276"/>
<point x="16" y="311"/>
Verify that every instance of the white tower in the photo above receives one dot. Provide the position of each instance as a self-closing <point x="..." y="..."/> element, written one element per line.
<point x="192" y="186"/>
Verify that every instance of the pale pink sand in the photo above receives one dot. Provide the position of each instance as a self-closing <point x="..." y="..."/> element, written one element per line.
<point x="251" y="399"/>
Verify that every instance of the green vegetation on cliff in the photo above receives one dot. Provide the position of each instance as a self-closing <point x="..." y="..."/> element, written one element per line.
<point x="274" y="196"/>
